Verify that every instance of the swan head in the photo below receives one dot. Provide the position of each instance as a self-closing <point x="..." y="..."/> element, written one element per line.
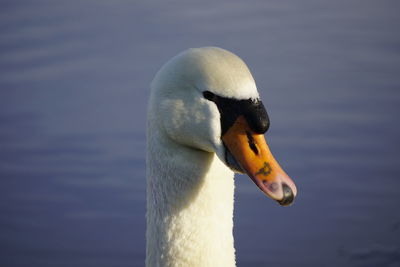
<point x="206" y="99"/>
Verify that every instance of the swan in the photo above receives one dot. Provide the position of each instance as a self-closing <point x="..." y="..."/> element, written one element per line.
<point x="205" y="122"/>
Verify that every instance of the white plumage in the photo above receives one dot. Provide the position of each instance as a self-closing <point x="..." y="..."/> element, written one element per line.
<point x="190" y="190"/>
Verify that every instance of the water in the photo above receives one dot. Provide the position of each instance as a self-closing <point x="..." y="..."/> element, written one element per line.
<point x="73" y="90"/>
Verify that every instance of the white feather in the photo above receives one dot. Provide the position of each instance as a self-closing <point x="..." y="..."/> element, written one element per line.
<point x="189" y="188"/>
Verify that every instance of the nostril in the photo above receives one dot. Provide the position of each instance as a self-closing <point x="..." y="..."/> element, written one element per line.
<point x="251" y="142"/>
<point x="288" y="196"/>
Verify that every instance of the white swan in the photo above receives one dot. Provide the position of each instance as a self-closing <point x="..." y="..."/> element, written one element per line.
<point x="205" y="119"/>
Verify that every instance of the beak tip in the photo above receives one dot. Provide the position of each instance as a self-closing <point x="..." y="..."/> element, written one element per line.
<point x="288" y="196"/>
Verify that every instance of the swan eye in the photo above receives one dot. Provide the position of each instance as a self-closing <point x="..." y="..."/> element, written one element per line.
<point x="209" y="96"/>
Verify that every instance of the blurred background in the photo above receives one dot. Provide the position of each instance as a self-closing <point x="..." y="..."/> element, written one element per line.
<point x="74" y="83"/>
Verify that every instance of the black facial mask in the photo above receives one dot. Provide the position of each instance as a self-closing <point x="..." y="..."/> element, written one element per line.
<point x="230" y="109"/>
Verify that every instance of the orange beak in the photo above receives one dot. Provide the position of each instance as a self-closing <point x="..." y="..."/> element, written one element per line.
<point x="252" y="153"/>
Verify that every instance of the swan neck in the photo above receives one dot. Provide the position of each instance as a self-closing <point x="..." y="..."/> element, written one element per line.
<point x="189" y="207"/>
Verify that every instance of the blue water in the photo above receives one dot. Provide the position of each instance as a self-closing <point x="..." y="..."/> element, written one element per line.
<point x="74" y="79"/>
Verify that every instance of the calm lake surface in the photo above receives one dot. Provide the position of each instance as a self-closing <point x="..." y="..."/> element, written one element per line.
<point x="74" y="84"/>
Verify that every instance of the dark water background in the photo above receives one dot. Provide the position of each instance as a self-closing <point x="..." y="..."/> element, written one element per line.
<point x="74" y="78"/>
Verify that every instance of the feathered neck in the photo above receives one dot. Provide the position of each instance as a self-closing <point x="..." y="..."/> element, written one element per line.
<point x="189" y="206"/>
